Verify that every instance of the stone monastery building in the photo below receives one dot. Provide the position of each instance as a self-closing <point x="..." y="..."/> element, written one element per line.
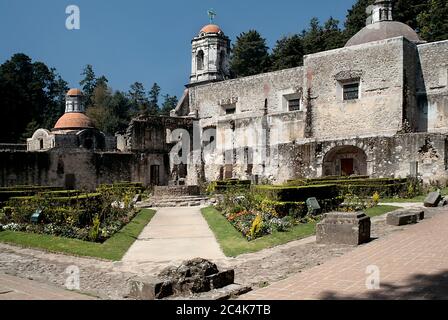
<point x="377" y="107"/>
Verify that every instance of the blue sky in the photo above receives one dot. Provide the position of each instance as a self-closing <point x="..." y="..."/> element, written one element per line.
<point x="143" y="40"/>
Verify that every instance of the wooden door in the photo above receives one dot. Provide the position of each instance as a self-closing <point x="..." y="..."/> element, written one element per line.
<point x="347" y="167"/>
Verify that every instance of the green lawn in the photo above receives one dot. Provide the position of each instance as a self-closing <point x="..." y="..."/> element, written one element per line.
<point x="379" y="210"/>
<point x="233" y="243"/>
<point x="112" y="249"/>
<point x="420" y="198"/>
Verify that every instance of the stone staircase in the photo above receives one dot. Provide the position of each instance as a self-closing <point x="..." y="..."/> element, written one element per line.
<point x="177" y="201"/>
<point x="175" y="196"/>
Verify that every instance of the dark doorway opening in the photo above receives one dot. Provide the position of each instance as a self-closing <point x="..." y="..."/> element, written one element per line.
<point x="347" y="168"/>
<point x="155" y="177"/>
<point x="70" y="181"/>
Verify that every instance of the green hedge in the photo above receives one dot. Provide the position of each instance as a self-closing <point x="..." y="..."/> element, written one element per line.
<point x="30" y="188"/>
<point x="298" y="194"/>
<point x="379" y="181"/>
<point x="384" y="190"/>
<point x="224" y="185"/>
<point x="82" y="200"/>
<point x="62" y="193"/>
<point x="134" y="186"/>
<point x="323" y="180"/>
<point x="6" y="195"/>
<point x="23" y="191"/>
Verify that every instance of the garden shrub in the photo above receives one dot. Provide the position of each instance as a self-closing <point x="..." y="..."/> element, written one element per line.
<point x="226" y="185"/>
<point x="70" y="213"/>
<point x="297" y="194"/>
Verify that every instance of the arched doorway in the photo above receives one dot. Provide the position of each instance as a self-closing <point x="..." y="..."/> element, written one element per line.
<point x="345" y="161"/>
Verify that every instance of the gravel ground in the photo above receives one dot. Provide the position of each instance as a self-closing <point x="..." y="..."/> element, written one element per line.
<point x="110" y="280"/>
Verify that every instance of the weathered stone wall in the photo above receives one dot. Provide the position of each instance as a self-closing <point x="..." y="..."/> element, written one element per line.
<point x="432" y="86"/>
<point x="78" y="168"/>
<point x="379" y="66"/>
<point x="385" y="156"/>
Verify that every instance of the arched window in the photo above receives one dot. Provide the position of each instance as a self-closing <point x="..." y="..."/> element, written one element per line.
<point x="41" y="144"/>
<point x="200" y="60"/>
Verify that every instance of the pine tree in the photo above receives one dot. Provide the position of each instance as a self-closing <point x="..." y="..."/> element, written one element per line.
<point x="332" y="35"/>
<point x="154" y="93"/>
<point x="433" y="23"/>
<point x="356" y="17"/>
<point x="313" y="37"/>
<point x="170" y="103"/>
<point x="88" y="84"/>
<point x="138" y="99"/>
<point x="250" y="55"/>
<point x="287" y="53"/>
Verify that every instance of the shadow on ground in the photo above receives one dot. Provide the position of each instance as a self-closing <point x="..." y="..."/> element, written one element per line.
<point x="427" y="287"/>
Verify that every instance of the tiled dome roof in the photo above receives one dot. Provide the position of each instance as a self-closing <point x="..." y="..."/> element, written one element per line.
<point x="384" y="30"/>
<point x="211" y="28"/>
<point x="74" y="120"/>
<point x="74" y="92"/>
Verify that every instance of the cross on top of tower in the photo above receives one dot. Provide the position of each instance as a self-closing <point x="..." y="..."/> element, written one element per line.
<point x="211" y="15"/>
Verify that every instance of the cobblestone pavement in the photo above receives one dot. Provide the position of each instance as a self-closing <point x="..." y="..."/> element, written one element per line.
<point x="14" y="288"/>
<point x="411" y="264"/>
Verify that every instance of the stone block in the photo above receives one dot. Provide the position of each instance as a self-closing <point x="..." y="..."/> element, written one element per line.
<point x="150" y="289"/>
<point x="351" y="228"/>
<point x="221" y="279"/>
<point x="433" y="199"/>
<point x="443" y="202"/>
<point x="405" y="217"/>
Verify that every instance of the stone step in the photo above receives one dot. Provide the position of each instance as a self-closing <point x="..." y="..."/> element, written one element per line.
<point x="175" y="202"/>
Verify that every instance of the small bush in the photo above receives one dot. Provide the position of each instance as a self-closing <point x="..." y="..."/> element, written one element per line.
<point x="297" y="194"/>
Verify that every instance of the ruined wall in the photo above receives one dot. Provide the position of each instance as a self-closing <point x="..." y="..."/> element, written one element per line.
<point x="261" y="114"/>
<point x="378" y="111"/>
<point x="432" y="86"/>
<point x="249" y="94"/>
<point x="385" y="156"/>
<point x="78" y="169"/>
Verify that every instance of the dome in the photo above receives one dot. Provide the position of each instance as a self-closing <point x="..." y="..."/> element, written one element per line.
<point x="74" y="92"/>
<point x="211" y="28"/>
<point x="384" y="30"/>
<point x="74" y="120"/>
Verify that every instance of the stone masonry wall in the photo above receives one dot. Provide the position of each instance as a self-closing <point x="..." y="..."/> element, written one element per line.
<point x="432" y="87"/>
<point x="378" y="111"/>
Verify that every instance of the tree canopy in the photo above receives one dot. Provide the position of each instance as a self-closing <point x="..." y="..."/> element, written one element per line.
<point x="250" y="55"/>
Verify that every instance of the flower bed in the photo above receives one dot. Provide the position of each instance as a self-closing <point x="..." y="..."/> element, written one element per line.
<point x="256" y="216"/>
<point x="66" y="213"/>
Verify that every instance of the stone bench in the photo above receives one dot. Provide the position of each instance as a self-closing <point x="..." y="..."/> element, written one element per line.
<point x="351" y="228"/>
<point x="405" y="216"/>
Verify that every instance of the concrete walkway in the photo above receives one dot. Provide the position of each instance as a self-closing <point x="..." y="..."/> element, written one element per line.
<point x="409" y="264"/>
<point x="175" y="234"/>
<point x="404" y="204"/>
<point x="14" y="288"/>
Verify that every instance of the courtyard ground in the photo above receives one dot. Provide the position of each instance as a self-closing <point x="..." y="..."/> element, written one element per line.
<point x="110" y="280"/>
<point x="15" y="288"/>
<point x="412" y="264"/>
<point x="175" y="235"/>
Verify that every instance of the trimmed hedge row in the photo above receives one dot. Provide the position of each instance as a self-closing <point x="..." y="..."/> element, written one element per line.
<point x="92" y="199"/>
<point x="323" y="180"/>
<point x="298" y="194"/>
<point x="384" y="190"/>
<point x="224" y="185"/>
<point x="134" y="186"/>
<point x="378" y="181"/>
<point x="6" y="195"/>
<point x="30" y="188"/>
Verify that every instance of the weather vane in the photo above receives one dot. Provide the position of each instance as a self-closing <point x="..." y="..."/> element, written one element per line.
<point x="211" y="14"/>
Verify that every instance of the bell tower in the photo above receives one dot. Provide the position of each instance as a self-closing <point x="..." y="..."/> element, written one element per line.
<point x="210" y="54"/>
<point x="382" y="11"/>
